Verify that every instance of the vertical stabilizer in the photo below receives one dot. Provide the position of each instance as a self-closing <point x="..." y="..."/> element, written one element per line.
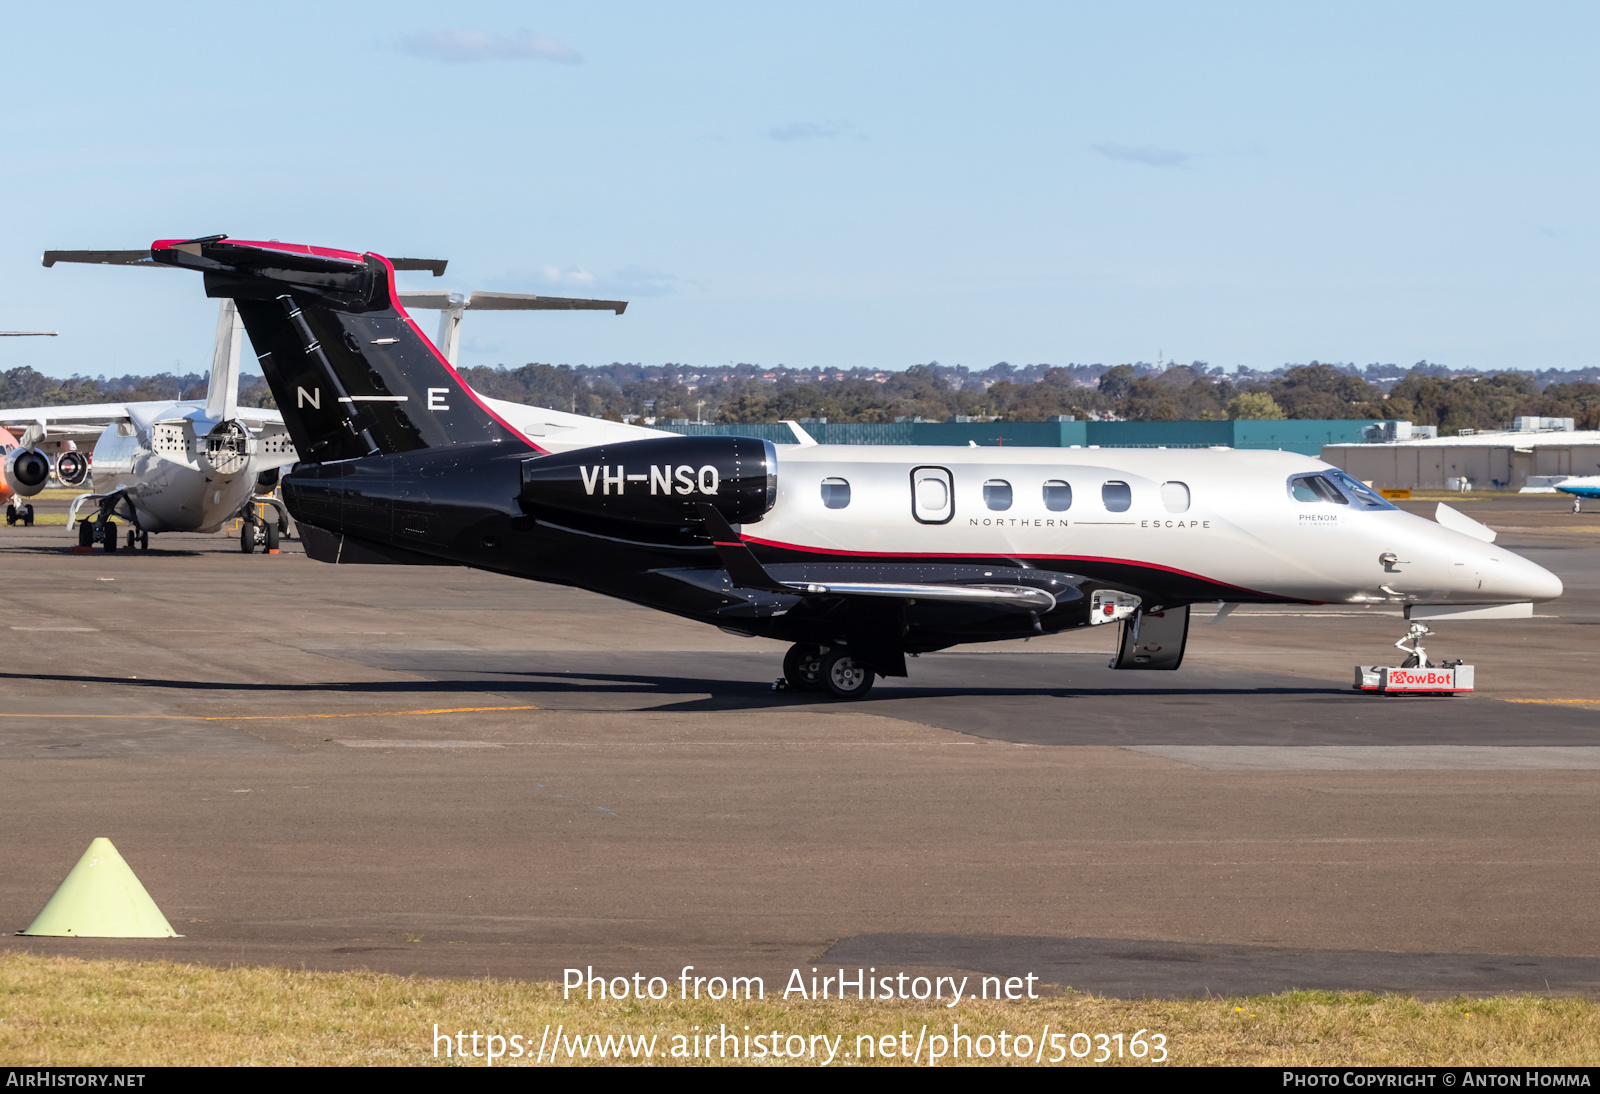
<point x="222" y="392"/>
<point x="351" y="373"/>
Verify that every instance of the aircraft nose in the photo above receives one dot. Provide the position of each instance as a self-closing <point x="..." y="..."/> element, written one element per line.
<point x="1525" y="580"/>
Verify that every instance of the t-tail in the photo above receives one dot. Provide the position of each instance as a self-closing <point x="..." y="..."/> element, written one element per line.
<point x="350" y="370"/>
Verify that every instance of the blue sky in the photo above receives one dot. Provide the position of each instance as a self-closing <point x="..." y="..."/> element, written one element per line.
<point x="832" y="184"/>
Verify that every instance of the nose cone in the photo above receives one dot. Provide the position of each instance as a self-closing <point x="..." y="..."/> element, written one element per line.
<point x="1518" y="579"/>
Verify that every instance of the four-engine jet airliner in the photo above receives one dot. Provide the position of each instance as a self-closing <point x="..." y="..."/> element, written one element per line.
<point x="857" y="555"/>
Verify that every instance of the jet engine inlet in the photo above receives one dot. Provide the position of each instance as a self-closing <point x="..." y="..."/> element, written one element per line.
<point x="27" y="470"/>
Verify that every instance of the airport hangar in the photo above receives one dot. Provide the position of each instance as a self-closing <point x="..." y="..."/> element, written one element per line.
<point x="1525" y="460"/>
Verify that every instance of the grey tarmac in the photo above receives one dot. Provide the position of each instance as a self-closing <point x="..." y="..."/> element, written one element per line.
<point x="449" y="772"/>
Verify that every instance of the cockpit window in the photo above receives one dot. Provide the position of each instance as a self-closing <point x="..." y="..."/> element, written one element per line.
<point x="1363" y="494"/>
<point x="1315" y="488"/>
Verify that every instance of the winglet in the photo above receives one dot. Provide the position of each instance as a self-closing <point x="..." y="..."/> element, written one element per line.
<point x="801" y="437"/>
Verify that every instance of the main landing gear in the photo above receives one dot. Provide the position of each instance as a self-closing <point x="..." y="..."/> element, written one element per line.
<point x="809" y="667"/>
<point x="255" y="532"/>
<point x="20" y="514"/>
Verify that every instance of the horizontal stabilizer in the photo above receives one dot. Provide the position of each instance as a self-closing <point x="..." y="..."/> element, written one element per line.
<point x="27" y="334"/>
<point x="104" y="258"/>
<point x="439" y="300"/>
<point x="434" y="266"/>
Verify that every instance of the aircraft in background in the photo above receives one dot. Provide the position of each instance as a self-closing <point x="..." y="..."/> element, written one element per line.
<point x="160" y="466"/>
<point x="18" y="513"/>
<point x="857" y="555"/>
<point x="1579" y="487"/>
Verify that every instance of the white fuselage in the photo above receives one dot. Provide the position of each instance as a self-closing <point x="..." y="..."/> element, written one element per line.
<point x="174" y="480"/>
<point x="1225" y="516"/>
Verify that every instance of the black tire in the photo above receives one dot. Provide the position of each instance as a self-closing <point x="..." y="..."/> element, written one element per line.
<point x="27" y="515"/>
<point x="247" y="537"/>
<point x="11" y="514"/>
<point x="144" y="541"/>
<point x="85" y="533"/>
<point x="802" y="667"/>
<point x="133" y="539"/>
<point x="845" y="678"/>
<point x="110" y="543"/>
<point x="272" y="537"/>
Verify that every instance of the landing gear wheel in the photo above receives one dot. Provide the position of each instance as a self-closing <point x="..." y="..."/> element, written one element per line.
<point x="144" y="541"/>
<point x="85" y="533"/>
<point x="27" y="515"/>
<point x="843" y="677"/>
<point x="272" y="539"/>
<point x="802" y="667"/>
<point x="247" y="537"/>
<point x="111" y="537"/>
<point x="133" y="539"/>
<point x="11" y="514"/>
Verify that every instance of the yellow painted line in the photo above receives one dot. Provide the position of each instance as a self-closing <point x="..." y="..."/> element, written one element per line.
<point x="271" y="717"/>
<point x="1550" y="700"/>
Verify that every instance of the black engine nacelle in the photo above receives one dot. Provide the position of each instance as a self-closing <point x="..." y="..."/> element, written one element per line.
<point x="657" y="481"/>
<point x="27" y="471"/>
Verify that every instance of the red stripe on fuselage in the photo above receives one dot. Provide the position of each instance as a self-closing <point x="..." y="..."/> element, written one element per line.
<point x="394" y="301"/>
<point x="1009" y="554"/>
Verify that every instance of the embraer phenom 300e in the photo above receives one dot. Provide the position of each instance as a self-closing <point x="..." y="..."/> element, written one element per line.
<point x="857" y="555"/>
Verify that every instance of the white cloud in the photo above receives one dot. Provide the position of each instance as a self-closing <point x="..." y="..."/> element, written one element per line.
<point x="1149" y="155"/>
<point x="571" y="276"/>
<point x="469" y="45"/>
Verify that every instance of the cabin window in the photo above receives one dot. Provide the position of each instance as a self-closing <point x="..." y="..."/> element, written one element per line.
<point x="835" y="493"/>
<point x="1175" y="497"/>
<point x="1057" y="496"/>
<point x="1117" y="496"/>
<point x="997" y="495"/>
<point x="1315" y="488"/>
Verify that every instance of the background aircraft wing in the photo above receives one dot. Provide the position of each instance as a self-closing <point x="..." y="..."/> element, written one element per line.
<point x="558" y="431"/>
<point x="89" y="414"/>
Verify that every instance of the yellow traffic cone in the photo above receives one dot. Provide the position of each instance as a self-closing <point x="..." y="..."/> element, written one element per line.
<point x="101" y="898"/>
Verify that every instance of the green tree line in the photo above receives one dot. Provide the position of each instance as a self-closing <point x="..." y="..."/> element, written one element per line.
<point x="1426" y="395"/>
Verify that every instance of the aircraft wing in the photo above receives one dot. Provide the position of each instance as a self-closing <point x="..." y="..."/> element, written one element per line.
<point x="88" y="414"/>
<point x="558" y="431"/>
<point x="746" y="572"/>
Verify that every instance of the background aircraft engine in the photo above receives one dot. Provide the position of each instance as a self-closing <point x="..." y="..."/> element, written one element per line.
<point x="27" y="470"/>
<point x="657" y="481"/>
<point x="72" y="468"/>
